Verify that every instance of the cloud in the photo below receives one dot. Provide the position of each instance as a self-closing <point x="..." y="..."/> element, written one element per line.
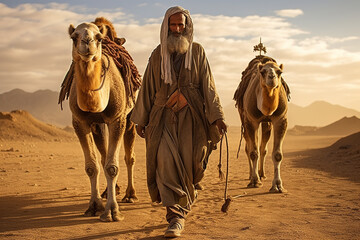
<point x="36" y="52"/>
<point x="290" y="13"/>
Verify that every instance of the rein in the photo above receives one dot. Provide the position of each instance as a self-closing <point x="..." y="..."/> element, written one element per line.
<point x="103" y="74"/>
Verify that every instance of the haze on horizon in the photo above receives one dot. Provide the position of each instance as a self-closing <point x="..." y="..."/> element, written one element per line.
<point x="315" y="40"/>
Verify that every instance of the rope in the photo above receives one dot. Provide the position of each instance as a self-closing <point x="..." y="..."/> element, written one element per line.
<point x="241" y="137"/>
<point x="221" y="175"/>
<point x="228" y="198"/>
<point x="104" y="70"/>
<point x="125" y="64"/>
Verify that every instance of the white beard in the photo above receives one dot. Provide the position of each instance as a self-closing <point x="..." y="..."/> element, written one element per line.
<point x="179" y="44"/>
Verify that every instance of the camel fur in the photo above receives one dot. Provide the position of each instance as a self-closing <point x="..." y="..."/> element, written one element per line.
<point x="100" y="109"/>
<point x="261" y="99"/>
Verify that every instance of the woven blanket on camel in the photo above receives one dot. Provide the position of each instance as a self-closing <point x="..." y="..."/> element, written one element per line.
<point x="246" y="76"/>
<point x="123" y="61"/>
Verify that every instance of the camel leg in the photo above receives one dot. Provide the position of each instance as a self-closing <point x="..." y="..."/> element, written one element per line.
<point x="277" y="155"/>
<point x="242" y="118"/>
<point x="265" y="136"/>
<point x="92" y="168"/>
<point x="101" y="140"/>
<point x="111" y="169"/>
<point x="129" y="142"/>
<point x="247" y="155"/>
<point x="252" y="152"/>
<point x="247" y="140"/>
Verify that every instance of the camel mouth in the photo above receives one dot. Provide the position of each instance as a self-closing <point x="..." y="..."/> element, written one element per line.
<point x="272" y="85"/>
<point x="86" y="56"/>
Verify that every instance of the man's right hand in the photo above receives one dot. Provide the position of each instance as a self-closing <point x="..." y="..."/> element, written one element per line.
<point x="140" y="131"/>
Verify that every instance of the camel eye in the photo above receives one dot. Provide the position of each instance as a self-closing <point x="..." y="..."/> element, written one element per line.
<point x="74" y="40"/>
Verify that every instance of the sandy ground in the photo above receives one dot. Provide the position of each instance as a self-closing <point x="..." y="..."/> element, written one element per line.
<point x="45" y="191"/>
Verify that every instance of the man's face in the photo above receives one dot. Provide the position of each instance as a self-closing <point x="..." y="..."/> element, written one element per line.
<point x="177" y="23"/>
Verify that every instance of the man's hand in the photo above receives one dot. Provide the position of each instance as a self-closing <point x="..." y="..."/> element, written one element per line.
<point x="140" y="131"/>
<point x="221" y="126"/>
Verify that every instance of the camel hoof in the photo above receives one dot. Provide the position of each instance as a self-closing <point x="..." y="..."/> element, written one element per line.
<point x="95" y="209"/>
<point x="277" y="189"/>
<point x="132" y="199"/>
<point x="254" y="184"/>
<point x="118" y="216"/>
<point x="106" y="217"/>
<point x="262" y="177"/>
<point x="114" y="215"/>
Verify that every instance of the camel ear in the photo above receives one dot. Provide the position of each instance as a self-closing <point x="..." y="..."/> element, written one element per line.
<point x="71" y="30"/>
<point x="120" y="41"/>
<point x="281" y="67"/>
<point x="99" y="36"/>
<point x="260" y="67"/>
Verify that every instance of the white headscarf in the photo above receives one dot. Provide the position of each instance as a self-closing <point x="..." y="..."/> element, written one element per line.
<point x="165" y="55"/>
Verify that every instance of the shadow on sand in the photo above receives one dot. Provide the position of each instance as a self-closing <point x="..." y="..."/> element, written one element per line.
<point x="342" y="159"/>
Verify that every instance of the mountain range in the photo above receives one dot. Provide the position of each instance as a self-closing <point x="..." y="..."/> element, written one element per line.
<point x="344" y="126"/>
<point x="43" y="104"/>
<point x="317" y="114"/>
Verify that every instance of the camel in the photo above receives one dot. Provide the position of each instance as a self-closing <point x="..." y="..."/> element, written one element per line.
<point x="100" y="109"/>
<point x="261" y="99"/>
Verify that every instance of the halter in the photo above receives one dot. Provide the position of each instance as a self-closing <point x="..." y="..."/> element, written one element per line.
<point x="103" y="72"/>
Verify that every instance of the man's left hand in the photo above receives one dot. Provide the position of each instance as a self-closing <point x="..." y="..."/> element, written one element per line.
<point x="220" y="123"/>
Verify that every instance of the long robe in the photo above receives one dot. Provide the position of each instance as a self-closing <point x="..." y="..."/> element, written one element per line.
<point x="176" y="143"/>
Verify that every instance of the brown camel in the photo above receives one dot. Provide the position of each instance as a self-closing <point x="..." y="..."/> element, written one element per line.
<point x="261" y="98"/>
<point x="100" y="105"/>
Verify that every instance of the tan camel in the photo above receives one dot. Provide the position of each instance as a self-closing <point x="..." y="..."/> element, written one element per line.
<point x="261" y="99"/>
<point x="100" y="107"/>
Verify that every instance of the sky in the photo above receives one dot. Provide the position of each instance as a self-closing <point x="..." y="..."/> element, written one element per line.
<point x="318" y="42"/>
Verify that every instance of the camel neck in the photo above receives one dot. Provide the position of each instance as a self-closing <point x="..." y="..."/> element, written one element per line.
<point x="88" y="75"/>
<point x="268" y="101"/>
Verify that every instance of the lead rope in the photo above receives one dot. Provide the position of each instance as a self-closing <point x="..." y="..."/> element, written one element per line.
<point x="228" y="198"/>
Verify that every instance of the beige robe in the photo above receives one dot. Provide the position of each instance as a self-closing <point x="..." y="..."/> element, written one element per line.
<point x="176" y="143"/>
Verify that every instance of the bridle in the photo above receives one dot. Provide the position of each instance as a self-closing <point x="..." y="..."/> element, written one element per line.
<point x="103" y="72"/>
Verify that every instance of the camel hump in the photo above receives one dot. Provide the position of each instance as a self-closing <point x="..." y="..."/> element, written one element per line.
<point x="107" y="29"/>
<point x="246" y="77"/>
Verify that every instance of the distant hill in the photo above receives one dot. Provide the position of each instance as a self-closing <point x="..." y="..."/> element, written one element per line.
<point x="21" y="125"/>
<point x="42" y="104"/>
<point x="317" y="114"/>
<point x="344" y="126"/>
<point x="350" y="142"/>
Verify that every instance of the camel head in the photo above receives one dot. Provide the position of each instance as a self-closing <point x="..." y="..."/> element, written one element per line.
<point x="270" y="75"/>
<point x="86" y="42"/>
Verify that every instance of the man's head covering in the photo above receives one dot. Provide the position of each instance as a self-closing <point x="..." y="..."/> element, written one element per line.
<point x="165" y="55"/>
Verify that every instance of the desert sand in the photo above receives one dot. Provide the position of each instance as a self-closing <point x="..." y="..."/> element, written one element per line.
<point x="45" y="191"/>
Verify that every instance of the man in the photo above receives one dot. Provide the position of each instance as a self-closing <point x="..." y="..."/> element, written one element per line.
<point x="176" y="104"/>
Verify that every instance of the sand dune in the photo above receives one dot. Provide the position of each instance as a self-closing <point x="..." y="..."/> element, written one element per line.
<point x="21" y="125"/>
<point x="341" y="159"/>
